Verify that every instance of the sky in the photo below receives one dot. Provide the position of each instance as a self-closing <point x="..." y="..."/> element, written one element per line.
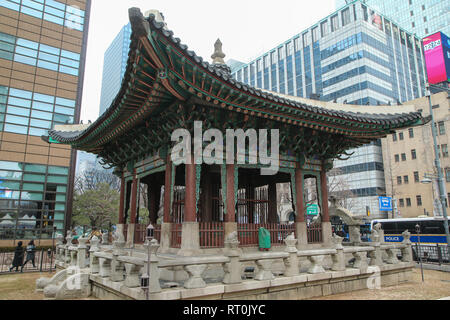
<point x="247" y="28"/>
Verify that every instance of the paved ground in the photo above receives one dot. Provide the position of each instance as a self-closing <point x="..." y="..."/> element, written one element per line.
<point x="21" y="286"/>
<point x="435" y="287"/>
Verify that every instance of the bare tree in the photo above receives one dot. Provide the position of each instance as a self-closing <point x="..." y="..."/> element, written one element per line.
<point x="339" y="188"/>
<point x="90" y="179"/>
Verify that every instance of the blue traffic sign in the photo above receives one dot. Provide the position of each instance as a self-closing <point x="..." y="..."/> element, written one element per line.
<point x="385" y="204"/>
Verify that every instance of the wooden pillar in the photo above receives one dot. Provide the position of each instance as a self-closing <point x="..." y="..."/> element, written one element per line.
<point x="324" y="191"/>
<point x="133" y="205"/>
<point x="168" y="191"/>
<point x="231" y="196"/>
<point x="273" y="211"/>
<point x="206" y="196"/>
<point x="122" y="200"/>
<point x="154" y="196"/>
<point x="190" y="211"/>
<point x="300" y="207"/>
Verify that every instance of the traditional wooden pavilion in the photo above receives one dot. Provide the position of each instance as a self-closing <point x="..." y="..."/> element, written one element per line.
<point x="167" y="87"/>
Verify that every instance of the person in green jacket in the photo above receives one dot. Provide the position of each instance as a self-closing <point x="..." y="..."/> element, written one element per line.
<point x="31" y="253"/>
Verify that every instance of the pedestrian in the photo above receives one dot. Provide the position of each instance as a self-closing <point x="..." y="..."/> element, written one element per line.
<point x="18" y="257"/>
<point x="31" y="253"/>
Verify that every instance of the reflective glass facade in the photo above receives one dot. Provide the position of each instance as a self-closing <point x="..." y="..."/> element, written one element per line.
<point x="42" y="52"/>
<point x="355" y="56"/>
<point x="423" y="17"/>
<point x="114" y="67"/>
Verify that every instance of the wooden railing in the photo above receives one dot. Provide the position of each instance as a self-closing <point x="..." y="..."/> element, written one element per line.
<point x="248" y="234"/>
<point x="315" y="234"/>
<point x="175" y="235"/>
<point x="212" y="235"/>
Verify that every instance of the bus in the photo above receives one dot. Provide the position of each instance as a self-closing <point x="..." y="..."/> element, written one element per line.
<point x="432" y="234"/>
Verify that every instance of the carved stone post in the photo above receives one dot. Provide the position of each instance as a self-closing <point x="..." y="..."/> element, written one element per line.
<point x="232" y="269"/>
<point x="117" y="267"/>
<point x="73" y="256"/>
<point x="154" y="286"/>
<point x="355" y="234"/>
<point x="339" y="257"/>
<point x="81" y="253"/>
<point x="105" y="239"/>
<point x="68" y="244"/>
<point x="93" y="260"/>
<point x="407" y="255"/>
<point x="195" y="273"/>
<point x="291" y="263"/>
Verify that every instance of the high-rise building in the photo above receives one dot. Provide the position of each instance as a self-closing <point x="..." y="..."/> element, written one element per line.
<point x="353" y="56"/>
<point x="409" y="157"/>
<point x="422" y="17"/>
<point x="42" y="59"/>
<point x="114" y="67"/>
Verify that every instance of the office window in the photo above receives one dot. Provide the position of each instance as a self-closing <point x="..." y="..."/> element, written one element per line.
<point x="441" y="126"/>
<point x="324" y="28"/>
<point x="419" y="201"/>
<point x="297" y="44"/>
<point x="444" y="148"/>
<point x="399" y="180"/>
<point x="416" y="177"/>
<point x="315" y="34"/>
<point x="408" y="202"/>
<point x="411" y="133"/>
<point x="410" y="2"/>
<point x="439" y="151"/>
<point x="401" y="136"/>
<point x="403" y="157"/>
<point x="414" y="154"/>
<point x="402" y="203"/>
<point x="413" y="24"/>
<point x="394" y="137"/>
<point x="306" y="39"/>
<point x="334" y="23"/>
<point x="345" y="16"/>
<point x="281" y="53"/>
<point x="406" y="179"/>
<point x="447" y="174"/>
<point x="397" y="158"/>
<point x="411" y="13"/>
<point x="423" y="7"/>
<point x="424" y="19"/>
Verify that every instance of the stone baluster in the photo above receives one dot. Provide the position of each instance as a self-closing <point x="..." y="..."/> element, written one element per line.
<point x="195" y="273"/>
<point x="360" y="261"/>
<point x="93" y="260"/>
<point x="391" y="256"/>
<point x="59" y="243"/>
<point x="73" y="257"/>
<point x="338" y="258"/>
<point x="292" y="262"/>
<point x="117" y="267"/>
<point x="154" y="286"/>
<point x="316" y="264"/>
<point x="376" y="256"/>
<point x="132" y="275"/>
<point x="105" y="267"/>
<point x="68" y="244"/>
<point x="105" y="239"/>
<point x="407" y="255"/>
<point x="232" y="269"/>
<point x="264" y="270"/>
<point x="81" y="252"/>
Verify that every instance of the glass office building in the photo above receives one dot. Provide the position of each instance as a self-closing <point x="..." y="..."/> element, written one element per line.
<point x="42" y="59"/>
<point x="114" y="67"/>
<point x="355" y="56"/>
<point x="422" y="17"/>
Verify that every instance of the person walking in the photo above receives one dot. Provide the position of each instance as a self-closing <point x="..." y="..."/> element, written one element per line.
<point x="18" y="257"/>
<point x="31" y="253"/>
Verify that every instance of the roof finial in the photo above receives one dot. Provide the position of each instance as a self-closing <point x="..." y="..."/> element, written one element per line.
<point x="218" y="53"/>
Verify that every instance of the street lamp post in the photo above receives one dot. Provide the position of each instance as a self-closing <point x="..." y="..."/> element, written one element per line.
<point x="145" y="279"/>
<point x="419" y="250"/>
<point x="440" y="178"/>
